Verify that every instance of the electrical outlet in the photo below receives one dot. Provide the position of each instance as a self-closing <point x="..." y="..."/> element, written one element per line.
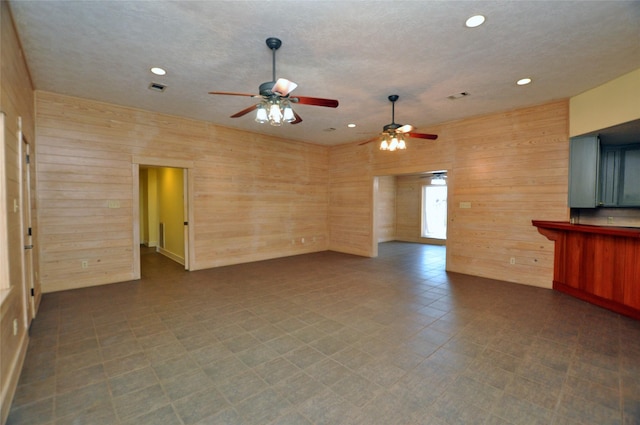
<point x="512" y="260"/>
<point x="609" y="220"/>
<point x="85" y="264"/>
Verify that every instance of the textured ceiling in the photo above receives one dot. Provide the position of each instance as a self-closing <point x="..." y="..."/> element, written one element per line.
<point x="358" y="52"/>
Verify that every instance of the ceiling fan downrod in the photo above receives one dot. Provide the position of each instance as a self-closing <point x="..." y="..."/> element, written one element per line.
<point x="393" y="99"/>
<point x="393" y="125"/>
<point x="274" y="44"/>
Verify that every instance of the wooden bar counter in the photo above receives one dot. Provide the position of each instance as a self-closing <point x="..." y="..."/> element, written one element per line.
<point x="598" y="264"/>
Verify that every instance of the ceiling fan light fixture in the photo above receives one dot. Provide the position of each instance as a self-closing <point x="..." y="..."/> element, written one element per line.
<point x="438" y="181"/>
<point x="261" y="116"/>
<point x="393" y="141"/>
<point x="384" y="145"/>
<point x="393" y="135"/>
<point x="397" y="143"/>
<point x="275" y="114"/>
<point x="287" y="113"/>
<point x="394" y="144"/>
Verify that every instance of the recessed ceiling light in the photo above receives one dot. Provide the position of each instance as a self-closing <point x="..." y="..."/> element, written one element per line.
<point x="523" y="81"/>
<point x="474" y="21"/>
<point x="352" y="125"/>
<point x="158" y="71"/>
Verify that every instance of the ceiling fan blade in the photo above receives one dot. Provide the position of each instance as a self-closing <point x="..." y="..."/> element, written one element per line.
<point x="423" y="136"/>
<point x="377" y="138"/>
<point x="405" y="128"/>
<point x="298" y="118"/>
<point x="317" y="101"/>
<point x="244" y="111"/>
<point x="283" y="87"/>
<point x="227" y="93"/>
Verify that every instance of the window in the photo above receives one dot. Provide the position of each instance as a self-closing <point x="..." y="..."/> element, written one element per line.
<point x="434" y="212"/>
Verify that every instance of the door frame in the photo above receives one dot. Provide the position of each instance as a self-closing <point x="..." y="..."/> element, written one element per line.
<point x="375" y="199"/>
<point x="31" y="287"/>
<point x="187" y="167"/>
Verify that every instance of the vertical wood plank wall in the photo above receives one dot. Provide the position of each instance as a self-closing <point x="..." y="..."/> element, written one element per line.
<point x="351" y="200"/>
<point x="386" y="209"/>
<point x="255" y="200"/>
<point x="16" y="102"/>
<point x="511" y="167"/>
<point x="255" y="197"/>
<point x="409" y="197"/>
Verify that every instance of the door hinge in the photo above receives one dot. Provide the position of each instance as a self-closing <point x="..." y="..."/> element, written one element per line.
<point x="33" y="293"/>
<point x="30" y="231"/>
<point x="186" y="223"/>
<point x="28" y="247"/>
<point x="28" y="158"/>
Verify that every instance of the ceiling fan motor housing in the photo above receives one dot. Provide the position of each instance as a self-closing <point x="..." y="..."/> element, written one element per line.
<point x="266" y="89"/>
<point x="390" y="128"/>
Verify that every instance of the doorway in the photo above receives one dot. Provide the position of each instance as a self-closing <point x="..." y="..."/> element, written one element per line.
<point x="162" y="216"/>
<point x="434" y="211"/>
<point x="410" y="208"/>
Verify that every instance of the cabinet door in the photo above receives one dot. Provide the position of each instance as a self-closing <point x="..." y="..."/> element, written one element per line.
<point x="610" y="177"/>
<point x="584" y="159"/>
<point x="631" y="178"/>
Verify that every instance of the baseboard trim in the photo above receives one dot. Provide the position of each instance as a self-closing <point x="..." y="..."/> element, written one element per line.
<point x="171" y="255"/>
<point x="9" y="387"/>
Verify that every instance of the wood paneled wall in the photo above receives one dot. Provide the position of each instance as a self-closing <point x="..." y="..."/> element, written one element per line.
<point x="409" y="210"/>
<point x="16" y="103"/>
<point x="385" y="204"/>
<point x="351" y="201"/>
<point x="254" y="197"/>
<point x="509" y="167"/>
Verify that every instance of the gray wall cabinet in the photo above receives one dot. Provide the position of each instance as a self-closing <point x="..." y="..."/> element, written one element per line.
<point x="584" y="169"/>
<point x="603" y="175"/>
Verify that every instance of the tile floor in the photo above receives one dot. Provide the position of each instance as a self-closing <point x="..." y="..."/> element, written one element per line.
<point x="327" y="338"/>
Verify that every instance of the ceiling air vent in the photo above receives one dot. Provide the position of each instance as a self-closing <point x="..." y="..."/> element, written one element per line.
<point x="458" y="95"/>
<point x="157" y="87"/>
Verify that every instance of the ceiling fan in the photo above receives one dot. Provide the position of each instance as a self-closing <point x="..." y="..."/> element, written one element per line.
<point x="393" y="134"/>
<point x="275" y="100"/>
<point x="436" y="178"/>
